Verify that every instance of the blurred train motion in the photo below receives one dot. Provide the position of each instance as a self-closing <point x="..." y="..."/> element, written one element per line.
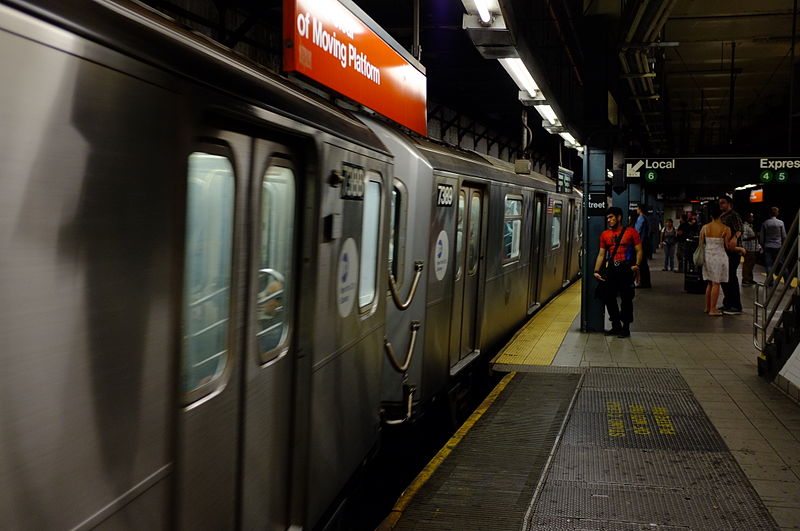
<point x="198" y="321"/>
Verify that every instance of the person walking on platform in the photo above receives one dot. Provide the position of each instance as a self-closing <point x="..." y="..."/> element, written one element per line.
<point x="716" y="237"/>
<point x="643" y="228"/>
<point x="750" y="244"/>
<point x="669" y="237"/>
<point x="773" y="234"/>
<point x="732" y="304"/>
<point x="616" y="268"/>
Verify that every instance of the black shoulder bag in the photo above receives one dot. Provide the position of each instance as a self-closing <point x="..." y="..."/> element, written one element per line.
<point x="602" y="291"/>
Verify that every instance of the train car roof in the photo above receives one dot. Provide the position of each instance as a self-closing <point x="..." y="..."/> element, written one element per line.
<point x="464" y="162"/>
<point x="146" y="35"/>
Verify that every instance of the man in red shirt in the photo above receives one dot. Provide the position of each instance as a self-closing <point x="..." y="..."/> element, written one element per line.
<point x="617" y="273"/>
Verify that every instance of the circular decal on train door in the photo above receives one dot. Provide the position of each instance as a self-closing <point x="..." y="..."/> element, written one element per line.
<point x="440" y="255"/>
<point x="347" y="277"/>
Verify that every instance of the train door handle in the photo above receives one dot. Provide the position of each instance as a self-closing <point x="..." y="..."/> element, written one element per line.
<point x="415" y="326"/>
<point x="401" y="305"/>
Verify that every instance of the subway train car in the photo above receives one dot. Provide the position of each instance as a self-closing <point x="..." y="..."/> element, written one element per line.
<point x="496" y="245"/>
<point x="193" y="293"/>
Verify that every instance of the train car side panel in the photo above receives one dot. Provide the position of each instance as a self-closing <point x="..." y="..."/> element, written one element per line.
<point x="88" y="266"/>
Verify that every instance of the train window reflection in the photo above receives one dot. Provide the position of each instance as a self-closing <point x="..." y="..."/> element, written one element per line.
<point x="370" y="229"/>
<point x="462" y="202"/>
<point x="275" y="260"/>
<point x="474" y="233"/>
<point x="512" y="228"/>
<point x="207" y="269"/>
<point x="394" y="227"/>
<point x="555" y="234"/>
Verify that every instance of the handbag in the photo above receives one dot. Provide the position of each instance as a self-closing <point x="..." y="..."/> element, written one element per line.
<point x="699" y="256"/>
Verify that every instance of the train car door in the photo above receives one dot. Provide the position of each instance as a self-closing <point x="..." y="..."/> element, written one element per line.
<point x="569" y="235"/>
<point x="537" y="229"/>
<point x="268" y="375"/>
<point x="469" y="223"/>
<point x="232" y="453"/>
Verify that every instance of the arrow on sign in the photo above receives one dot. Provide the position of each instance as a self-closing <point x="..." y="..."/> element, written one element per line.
<point x="632" y="170"/>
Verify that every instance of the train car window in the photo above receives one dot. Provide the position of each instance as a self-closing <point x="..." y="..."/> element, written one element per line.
<point x="370" y="229"/>
<point x="275" y="261"/>
<point x="474" y="232"/>
<point x="462" y="204"/>
<point x="207" y="269"/>
<point x="555" y="234"/>
<point x="394" y="227"/>
<point x="512" y="228"/>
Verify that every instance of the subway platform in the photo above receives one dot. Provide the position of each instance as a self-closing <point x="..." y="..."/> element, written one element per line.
<point x="668" y="429"/>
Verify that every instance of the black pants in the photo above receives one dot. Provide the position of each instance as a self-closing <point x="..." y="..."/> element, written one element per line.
<point x="733" y="300"/>
<point x="620" y="284"/>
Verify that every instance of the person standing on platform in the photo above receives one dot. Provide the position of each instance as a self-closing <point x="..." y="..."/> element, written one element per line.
<point x="773" y="234"/>
<point x="683" y="234"/>
<point x="669" y="237"/>
<point x="654" y="224"/>
<point x="750" y="244"/>
<point x="716" y="237"/>
<point x="732" y="304"/>
<point x="643" y="228"/>
<point x="616" y="268"/>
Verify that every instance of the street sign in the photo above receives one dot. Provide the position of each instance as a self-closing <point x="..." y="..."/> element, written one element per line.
<point x="597" y="204"/>
<point x="765" y="176"/>
<point x="650" y="176"/>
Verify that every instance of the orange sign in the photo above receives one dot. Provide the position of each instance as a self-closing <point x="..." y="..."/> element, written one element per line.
<point x="757" y="195"/>
<point x="325" y="41"/>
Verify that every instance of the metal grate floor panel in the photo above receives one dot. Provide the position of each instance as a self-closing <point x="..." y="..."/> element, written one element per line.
<point x="637" y="452"/>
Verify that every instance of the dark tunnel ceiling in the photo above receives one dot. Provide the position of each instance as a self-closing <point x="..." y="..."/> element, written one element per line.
<point x="692" y="81"/>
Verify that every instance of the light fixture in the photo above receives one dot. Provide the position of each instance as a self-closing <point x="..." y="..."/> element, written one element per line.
<point x="609" y="174"/>
<point x="745" y="187"/>
<point x="483" y="11"/>
<point x="547" y="112"/>
<point x="516" y="69"/>
<point x="568" y="138"/>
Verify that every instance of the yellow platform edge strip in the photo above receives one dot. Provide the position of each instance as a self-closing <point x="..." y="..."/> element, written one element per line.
<point x="545" y="330"/>
<point x="405" y="498"/>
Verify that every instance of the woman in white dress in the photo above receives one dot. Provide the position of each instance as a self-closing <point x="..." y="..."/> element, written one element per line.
<point x="716" y="237"/>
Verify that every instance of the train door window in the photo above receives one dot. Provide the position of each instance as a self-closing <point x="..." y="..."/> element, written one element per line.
<point x="394" y="236"/>
<point x="555" y="234"/>
<point x="207" y="269"/>
<point x="370" y="230"/>
<point x="275" y="260"/>
<point x="462" y="204"/>
<point x="512" y="228"/>
<point x="474" y="233"/>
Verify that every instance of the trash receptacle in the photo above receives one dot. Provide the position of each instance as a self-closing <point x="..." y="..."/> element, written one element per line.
<point x="692" y="275"/>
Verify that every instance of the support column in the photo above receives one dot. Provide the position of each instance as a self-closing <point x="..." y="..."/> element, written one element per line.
<point x="594" y="178"/>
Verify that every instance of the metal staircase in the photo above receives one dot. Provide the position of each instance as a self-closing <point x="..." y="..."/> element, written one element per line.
<point x="776" y="312"/>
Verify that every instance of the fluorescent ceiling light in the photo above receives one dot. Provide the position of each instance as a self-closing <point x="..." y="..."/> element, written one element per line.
<point x="516" y="69"/>
<point x="569" y="138"/>
<point x="547" y="112"/>
<point x="483" y="11"/>
<point x="745" y="187"/>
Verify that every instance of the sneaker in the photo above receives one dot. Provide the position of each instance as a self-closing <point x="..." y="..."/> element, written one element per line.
<point x="732" y="312"/>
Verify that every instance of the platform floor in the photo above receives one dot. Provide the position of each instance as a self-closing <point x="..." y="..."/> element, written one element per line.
<point x="757" y="427"/>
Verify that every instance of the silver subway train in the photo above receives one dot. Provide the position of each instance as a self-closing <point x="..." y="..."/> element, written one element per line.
<point x="215" y="289"/>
